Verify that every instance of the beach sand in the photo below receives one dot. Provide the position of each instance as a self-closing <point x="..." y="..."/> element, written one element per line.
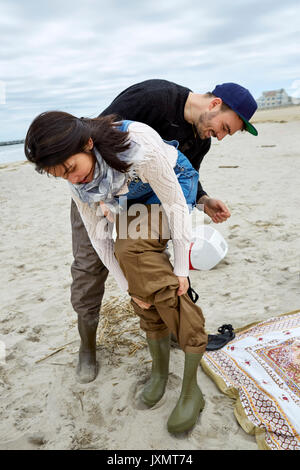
<point x="42" y="405"/>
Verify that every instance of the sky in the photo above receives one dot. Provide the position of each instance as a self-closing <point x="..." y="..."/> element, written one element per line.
<point x="76" y="56"/>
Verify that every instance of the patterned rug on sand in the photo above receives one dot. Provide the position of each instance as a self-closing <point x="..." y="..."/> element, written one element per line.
<point x="260" y="368"/>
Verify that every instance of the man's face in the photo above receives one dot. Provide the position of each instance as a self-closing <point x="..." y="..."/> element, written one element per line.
<point x="217" y="123"/>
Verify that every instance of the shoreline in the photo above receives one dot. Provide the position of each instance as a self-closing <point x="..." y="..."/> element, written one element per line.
<point x="11" y="142"/>
<point x="280" y="114"/>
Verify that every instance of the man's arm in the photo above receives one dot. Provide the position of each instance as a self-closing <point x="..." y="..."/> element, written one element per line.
<point x="214" y="208"/>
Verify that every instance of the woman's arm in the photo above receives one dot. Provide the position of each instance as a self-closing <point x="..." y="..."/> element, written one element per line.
<point x="99" y="230"/>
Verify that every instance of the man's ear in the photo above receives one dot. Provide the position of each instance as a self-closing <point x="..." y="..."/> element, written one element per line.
<point x="215" y="104"/>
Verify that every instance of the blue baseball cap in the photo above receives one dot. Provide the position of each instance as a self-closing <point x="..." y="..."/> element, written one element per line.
<point x="240" y="100"/>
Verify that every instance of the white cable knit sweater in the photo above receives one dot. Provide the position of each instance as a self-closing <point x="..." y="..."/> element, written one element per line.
<point x="155" y="166"/>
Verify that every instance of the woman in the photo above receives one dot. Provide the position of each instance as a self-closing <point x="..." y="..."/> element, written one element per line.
<point x="105" y="162"/>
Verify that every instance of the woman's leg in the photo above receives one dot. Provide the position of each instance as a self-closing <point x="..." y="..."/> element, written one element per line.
<point x="191" y="401"/>
<point x="160" y="354"/>
<point x="150" y="278"/>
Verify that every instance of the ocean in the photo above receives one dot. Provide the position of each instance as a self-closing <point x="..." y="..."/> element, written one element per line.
<point x="12" y="153"/>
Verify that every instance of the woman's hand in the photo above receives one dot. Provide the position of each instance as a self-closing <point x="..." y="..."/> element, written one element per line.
<point x="106" y="212"/>
<point x="183" y="285"/>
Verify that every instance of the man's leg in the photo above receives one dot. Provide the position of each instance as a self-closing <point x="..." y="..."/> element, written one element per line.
<point x="89" y="276"/>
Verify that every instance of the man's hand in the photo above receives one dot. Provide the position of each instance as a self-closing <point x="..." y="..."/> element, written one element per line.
<point x="215" y="208"/>
<point x="183" y="285"/>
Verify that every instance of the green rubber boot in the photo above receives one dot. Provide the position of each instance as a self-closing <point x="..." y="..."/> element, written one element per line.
<point x="87" y="365"/>
<point x="160" y="353"/>
<point x="191" y="401"/>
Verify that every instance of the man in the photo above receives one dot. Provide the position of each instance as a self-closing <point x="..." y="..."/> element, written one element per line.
<point x="175" y="112"/>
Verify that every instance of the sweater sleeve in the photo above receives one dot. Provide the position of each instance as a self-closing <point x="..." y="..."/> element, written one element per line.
<point x="157" y="170"/>
<point x="99" y="230"/>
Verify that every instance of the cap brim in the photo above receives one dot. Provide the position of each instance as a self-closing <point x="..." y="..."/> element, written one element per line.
<point x="249" y="127"/>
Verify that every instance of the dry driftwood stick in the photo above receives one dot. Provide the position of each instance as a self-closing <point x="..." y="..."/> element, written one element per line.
<point x="228" y="166"/>
<point x="55" y="352"/>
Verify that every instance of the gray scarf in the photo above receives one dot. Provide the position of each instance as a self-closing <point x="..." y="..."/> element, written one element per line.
<point x="106" y="183"/>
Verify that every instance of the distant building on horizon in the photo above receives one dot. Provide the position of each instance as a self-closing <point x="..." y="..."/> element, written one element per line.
<point x="274" y="98"/>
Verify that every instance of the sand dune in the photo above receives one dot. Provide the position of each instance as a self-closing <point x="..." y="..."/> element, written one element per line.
<point x="282" y="114"/>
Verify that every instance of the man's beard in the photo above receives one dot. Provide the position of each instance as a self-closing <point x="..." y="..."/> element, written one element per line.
<point x="204" y="123"/>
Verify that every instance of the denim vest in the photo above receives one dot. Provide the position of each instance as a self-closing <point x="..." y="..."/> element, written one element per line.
<point x="187" y="176"/>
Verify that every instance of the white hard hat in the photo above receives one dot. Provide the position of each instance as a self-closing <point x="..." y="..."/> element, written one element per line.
<point x="207" y="249"/>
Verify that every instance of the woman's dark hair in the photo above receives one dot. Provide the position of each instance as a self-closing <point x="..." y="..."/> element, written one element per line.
<point x="54" y="136"/>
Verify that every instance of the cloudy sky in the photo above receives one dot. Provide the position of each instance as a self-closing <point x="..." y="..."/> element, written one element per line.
<point x="77" y="56"/>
